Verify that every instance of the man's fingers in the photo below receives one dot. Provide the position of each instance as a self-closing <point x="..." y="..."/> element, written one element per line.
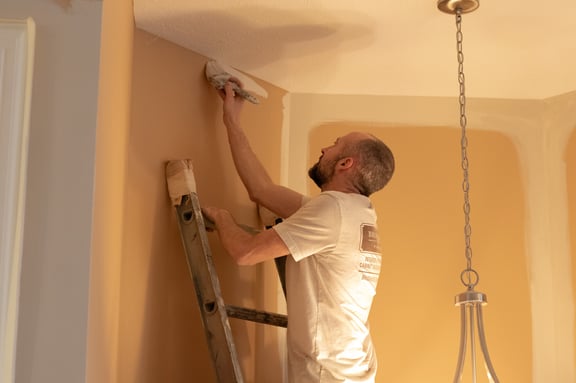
<point x="229" y="90"/>
<point x="208" y="219"/>
<point x="222" y="93"/>
<point x="237" y="81"/>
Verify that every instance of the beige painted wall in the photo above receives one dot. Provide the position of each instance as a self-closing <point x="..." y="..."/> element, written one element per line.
<point x="144" y="321"/>
<point x="114" y="100"/>
<point x="153" y="330"/>
<point x="531" y="136"/>
<point x="414" y="322"/>
<point x="570" y="158"/>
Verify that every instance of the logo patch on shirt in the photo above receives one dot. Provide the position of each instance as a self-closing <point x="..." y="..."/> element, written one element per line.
<point x="370" y="248"/>
<point x="369" y="239"/>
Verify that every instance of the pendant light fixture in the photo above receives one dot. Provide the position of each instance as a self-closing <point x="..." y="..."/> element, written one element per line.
<point x="470" y="301"/>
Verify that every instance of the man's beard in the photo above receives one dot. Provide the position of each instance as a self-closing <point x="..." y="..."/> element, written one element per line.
<point x="320" y="175"/>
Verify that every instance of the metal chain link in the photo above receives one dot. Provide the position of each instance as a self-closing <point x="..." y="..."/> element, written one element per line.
<point x="469" y="276"/>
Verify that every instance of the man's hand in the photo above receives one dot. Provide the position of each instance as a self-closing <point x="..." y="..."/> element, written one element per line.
<point x="244" y="247"/>
<point x="212" y="215"/>
<point x="232" y="103"/>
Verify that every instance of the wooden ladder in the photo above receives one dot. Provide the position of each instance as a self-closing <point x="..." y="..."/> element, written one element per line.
<point x="214" y="312"/>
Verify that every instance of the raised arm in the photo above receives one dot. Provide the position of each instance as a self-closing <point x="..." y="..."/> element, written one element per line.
<point x="278" y="199"/>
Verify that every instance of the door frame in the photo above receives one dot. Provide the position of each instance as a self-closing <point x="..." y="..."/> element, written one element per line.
<point x="16" y="68"/>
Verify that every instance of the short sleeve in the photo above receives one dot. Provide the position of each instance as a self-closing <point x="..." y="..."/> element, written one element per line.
<point x="313" y="229"/>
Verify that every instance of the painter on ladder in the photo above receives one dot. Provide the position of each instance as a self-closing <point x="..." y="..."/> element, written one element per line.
<point x="334" y="261"/>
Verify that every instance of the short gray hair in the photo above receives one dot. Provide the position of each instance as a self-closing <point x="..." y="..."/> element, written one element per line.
<point x="375" y="164"/>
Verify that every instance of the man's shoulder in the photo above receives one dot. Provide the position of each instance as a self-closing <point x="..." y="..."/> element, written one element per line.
<point x="336" y="200"/>
<point x="347" y="198"/>
<point x="325" y="197"/>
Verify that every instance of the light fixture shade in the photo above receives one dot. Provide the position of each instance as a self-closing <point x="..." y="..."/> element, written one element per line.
<point x="471" y="333"/>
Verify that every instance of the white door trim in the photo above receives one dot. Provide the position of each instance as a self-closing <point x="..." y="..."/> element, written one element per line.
<point x="16" y="63"/>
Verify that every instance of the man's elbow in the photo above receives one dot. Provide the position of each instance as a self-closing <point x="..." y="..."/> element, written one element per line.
<point x="259" y="192"/>
<point x="243" y="257"/>
<point x="256" y="196"/>
<point x="244" y="260"/>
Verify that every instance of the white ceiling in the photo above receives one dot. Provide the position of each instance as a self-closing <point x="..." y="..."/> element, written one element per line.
<point x="524" y="49"/>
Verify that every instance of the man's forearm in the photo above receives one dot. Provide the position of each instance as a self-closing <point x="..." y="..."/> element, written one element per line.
<point x="245" y="248"/>
<point x="249" y="168"/>
<point x="251" y="171"/>
<point x="261" y="189"/>
<point x="232" y="236"/>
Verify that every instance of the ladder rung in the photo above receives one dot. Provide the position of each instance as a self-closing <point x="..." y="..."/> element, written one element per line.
<point x="259" y="316"/>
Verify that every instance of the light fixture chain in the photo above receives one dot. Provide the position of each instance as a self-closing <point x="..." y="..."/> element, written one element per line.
<point x="469" y="276"/>
<point x="471" y="301"/>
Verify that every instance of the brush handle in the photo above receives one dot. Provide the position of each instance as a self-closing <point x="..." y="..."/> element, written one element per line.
<point x="244" y="94"/>
<point x="219" y="81"/>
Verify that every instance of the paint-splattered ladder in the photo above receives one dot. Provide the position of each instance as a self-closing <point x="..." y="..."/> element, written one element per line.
<point x="182" y="190"/>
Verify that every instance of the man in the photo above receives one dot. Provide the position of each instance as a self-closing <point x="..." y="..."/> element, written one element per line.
<point x="334" y="262"/>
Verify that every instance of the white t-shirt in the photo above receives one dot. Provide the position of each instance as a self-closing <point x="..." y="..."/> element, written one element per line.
<point x="331" y="280"/>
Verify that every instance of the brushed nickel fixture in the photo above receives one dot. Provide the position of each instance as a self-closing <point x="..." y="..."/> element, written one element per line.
<point x="470" y="301"/>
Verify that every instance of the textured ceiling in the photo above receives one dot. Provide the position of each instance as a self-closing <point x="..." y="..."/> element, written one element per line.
<point x="512" y="49"/>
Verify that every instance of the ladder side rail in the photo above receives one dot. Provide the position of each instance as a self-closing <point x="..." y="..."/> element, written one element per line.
<point x="214" y="315"/>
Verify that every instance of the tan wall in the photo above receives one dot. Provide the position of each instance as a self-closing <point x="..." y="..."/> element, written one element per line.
<point x="537" y="131"/>
<point x="144" y="321"/>
<point x="176" y="114"/>
<point x="155" y="105"/>
<point x="109" y="180"/>
<point x="414" y="322"/>
<point x="570" y="158"/>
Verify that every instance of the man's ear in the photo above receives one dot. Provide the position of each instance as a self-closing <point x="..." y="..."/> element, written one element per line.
<point x="345" y="163"/>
